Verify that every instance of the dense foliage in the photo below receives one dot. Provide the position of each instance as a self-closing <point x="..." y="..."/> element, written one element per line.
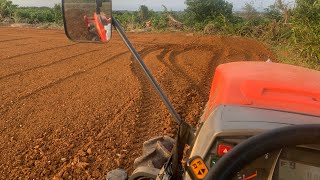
<point x="30" y="14"/>
<point x="201" y="12"/>
<point x="297" y="26"/>
<point x="306" y="27"/>
<point x="132" y="20"/>
<point x="6" y="8"/>
<point x="34" y="15"/>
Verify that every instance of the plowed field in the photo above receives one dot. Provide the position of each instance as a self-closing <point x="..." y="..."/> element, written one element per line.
<point x="76" y="111"/>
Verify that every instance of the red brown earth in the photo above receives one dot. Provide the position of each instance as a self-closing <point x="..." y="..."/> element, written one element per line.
<point x="77" y="111"/>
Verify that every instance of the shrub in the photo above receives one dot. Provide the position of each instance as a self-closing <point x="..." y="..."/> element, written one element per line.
<point x="6" y="8"/>
<point x="306" y="28"/>
<point x="34" y="15"/>
<point x="200" y="11"/>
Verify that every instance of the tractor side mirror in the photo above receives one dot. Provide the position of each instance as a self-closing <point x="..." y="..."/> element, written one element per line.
<point x="87" y="20"/>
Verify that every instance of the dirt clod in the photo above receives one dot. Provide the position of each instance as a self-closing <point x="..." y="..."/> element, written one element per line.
<point x="89" y="151"/>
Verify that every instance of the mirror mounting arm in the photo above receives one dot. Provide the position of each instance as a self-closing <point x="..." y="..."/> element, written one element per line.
<point x="99" y="5"/>
<point x="147" y="71"/>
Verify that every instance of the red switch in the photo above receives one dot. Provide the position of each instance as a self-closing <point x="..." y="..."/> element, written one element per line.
<point x="223" y="149"/>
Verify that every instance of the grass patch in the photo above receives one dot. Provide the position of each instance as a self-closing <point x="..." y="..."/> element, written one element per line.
<point x="288" y="55"/>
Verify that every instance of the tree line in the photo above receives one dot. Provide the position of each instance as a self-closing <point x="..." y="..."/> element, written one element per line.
<point x="296" y="24"/>
<point x="13" y="13"/>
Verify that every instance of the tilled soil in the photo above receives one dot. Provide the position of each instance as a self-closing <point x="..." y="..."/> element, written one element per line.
<point x="77" y="111"/>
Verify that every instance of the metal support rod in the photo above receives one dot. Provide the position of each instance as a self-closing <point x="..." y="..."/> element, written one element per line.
<point x="147" y="72"/>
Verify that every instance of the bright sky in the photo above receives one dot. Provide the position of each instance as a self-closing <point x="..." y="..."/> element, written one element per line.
<point x="153" y="4"/>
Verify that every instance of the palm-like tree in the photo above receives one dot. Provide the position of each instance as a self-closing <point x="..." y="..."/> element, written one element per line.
<point x="6" y="8"/>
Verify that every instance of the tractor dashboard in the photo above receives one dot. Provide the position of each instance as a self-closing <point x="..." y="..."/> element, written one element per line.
<point x="294" y="163"/>
<point x="228" y="126"/>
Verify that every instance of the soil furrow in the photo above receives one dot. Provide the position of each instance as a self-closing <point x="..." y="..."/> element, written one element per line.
<point x="36" y="52"/>
<point x="47" y="65"/>
<point x="6" y="107"/>
<point x="1" y="41"/>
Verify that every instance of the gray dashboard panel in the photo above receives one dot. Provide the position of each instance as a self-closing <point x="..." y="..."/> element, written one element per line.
<point x="232" y="120"/>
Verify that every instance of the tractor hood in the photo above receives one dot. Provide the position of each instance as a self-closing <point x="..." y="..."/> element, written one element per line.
<point x="266" y="85"/>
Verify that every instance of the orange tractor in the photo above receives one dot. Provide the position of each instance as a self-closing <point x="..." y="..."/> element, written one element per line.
<point x="262" y="121"/>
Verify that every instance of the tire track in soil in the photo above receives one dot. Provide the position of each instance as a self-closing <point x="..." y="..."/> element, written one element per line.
<point x="104" y="133"/>
<point x="194" y="91"/>
<point x="180" y="72"/>
<point x="6" y="107"/>
<point x="146" y="119"/>
<point x="148" y="102"/>
<point x="208" y="75"/>
<point x="172" y="59"/>
<point x="176" y="73"/>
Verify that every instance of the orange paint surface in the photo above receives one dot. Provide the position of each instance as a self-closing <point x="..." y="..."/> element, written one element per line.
<point x="266" y="85"/>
